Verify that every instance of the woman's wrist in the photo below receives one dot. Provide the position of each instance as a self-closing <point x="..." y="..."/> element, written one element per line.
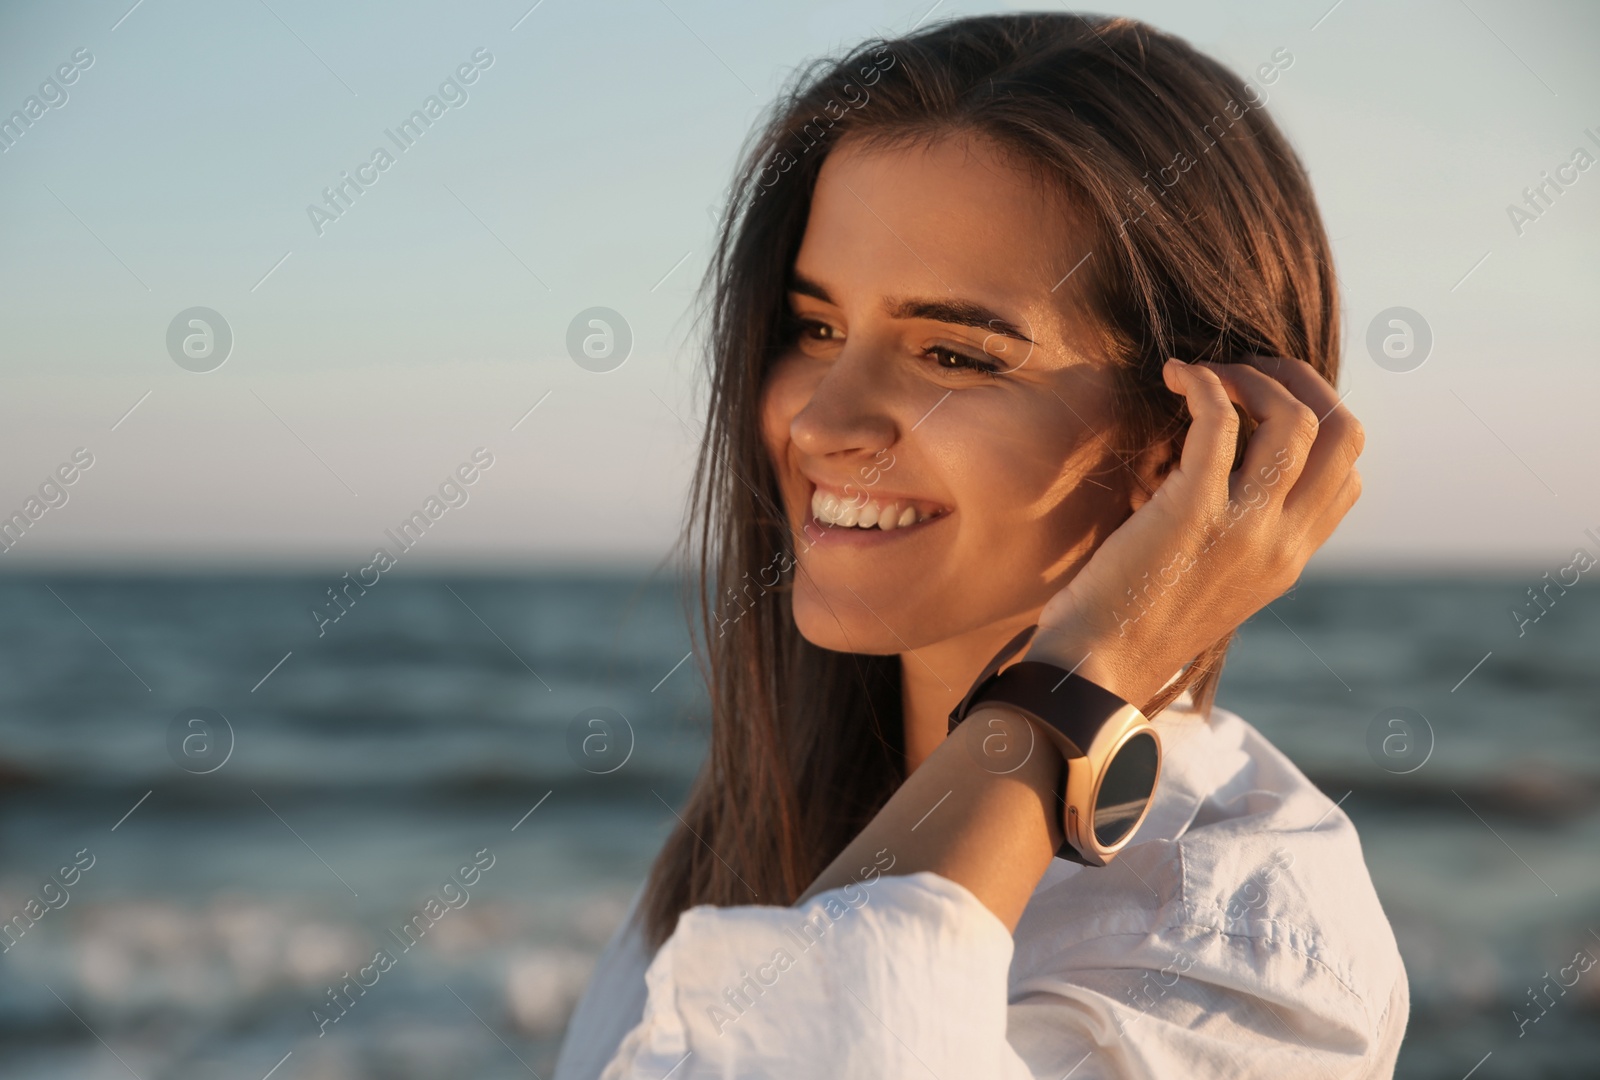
<point x="1005" y="743"/>
<point x="1112" y="663"/>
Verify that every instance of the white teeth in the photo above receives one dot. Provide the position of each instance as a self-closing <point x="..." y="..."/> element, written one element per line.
<point x="832" y="510"/>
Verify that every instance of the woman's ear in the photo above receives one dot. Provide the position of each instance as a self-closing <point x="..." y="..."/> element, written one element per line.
<point x="1150" y="467"/>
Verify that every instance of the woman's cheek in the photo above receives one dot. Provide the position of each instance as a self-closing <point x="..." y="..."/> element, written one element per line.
<point x="788" y="385"/>
<point x="786" y="391"/>
<point x="780" y="401"/>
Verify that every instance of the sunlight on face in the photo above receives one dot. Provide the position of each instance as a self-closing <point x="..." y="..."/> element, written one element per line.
<point x="939" y="383"/>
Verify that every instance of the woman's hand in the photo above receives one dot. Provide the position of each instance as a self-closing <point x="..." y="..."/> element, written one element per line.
<point x="1210" y="548"/>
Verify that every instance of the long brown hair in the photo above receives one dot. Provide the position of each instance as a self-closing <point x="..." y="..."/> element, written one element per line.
<point x="1226" y="259"/>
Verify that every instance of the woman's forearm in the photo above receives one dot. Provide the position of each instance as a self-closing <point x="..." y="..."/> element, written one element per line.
<point x="990" y="827"/>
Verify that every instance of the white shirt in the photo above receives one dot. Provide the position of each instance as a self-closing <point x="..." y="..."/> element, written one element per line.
<point x="1237" y="935"/>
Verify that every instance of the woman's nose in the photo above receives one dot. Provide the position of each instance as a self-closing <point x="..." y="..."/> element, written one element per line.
<point x="850" y="408"/>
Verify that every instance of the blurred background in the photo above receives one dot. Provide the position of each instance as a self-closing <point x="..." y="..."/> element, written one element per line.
<point x="221" y="788"/>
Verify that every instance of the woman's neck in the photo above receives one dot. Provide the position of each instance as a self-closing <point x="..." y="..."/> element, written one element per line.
<point x="935" y="678"/>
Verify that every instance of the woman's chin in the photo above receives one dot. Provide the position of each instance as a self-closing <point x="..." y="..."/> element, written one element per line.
<point x="843" y="623"/>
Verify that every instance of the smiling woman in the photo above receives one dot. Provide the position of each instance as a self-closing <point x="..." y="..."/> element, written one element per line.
<point x="978" y="416"/>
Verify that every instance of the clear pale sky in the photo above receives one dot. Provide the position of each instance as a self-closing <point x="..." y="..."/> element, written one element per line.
<point x="581" y="170"/>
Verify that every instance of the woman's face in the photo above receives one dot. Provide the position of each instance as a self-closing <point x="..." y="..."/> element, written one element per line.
<point x="944" y="384"/>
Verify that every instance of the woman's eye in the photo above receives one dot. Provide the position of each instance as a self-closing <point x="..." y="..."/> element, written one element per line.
<point x="802" y="329"/>
<point x="951" y="360"/>
<point x="812" y="329"/>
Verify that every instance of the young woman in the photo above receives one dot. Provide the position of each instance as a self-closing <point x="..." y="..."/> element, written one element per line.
<point x="1019" y="321"/>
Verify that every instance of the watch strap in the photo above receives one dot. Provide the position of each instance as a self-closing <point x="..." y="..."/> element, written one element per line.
<point x="1067" y="703"/>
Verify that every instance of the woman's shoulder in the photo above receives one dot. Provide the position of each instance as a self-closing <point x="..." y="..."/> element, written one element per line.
<point x="1270" y="856"/>
<point x="1244" y="875"/>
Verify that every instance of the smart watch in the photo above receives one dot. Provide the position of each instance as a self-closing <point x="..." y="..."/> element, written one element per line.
<point x="1113" y="754"/>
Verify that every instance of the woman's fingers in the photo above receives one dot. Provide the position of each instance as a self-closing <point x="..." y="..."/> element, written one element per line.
<point x="1339" y="435"/>
<point x="1208" y="445"/>
<point x="1285" y="430"/>
<point x="1332" y="514"/>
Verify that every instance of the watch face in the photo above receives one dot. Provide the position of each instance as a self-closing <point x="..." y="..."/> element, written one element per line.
<point x="1125" y="789"/>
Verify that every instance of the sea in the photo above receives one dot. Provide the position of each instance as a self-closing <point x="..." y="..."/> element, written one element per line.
<point x="221" y="811"/>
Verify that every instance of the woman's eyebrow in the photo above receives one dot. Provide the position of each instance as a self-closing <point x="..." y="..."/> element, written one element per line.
<point x="956" y="312"/>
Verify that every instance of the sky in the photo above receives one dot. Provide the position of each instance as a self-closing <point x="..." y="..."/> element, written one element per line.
<point x="374" y="354"/>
